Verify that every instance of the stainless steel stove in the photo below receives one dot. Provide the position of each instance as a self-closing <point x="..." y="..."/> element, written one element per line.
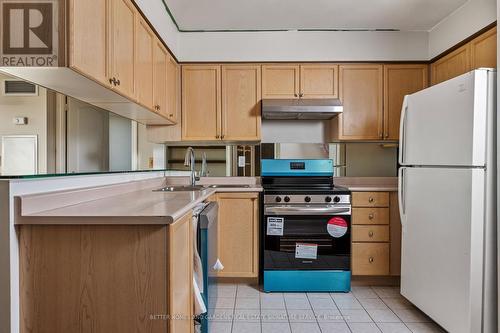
<point x="306" y="227"/>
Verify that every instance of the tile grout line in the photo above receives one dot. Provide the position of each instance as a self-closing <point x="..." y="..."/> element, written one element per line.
<point x="404" y="323"/>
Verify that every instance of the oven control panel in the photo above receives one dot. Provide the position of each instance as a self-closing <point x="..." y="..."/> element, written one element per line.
<point x="307" y="199"/>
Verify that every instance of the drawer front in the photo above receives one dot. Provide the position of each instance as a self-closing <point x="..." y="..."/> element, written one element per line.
<point x="370" y="199"/>
<point x="370" y="233"/>
<point x="370" y="215"/>
<point x="370" y="258"/>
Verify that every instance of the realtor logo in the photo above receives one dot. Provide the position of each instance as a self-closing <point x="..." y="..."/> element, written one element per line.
<point x="29" y="33"/>
<point x="27" y="28"/>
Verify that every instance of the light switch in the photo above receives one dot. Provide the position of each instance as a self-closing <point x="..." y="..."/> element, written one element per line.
<point x="20" y="120"/>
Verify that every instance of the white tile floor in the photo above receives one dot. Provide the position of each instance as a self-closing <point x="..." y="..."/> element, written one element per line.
<point x="240" y="308"/>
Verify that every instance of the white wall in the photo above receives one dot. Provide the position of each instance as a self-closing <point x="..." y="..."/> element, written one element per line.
<point x="462" y="23"/>
<point x="120" y="143"/>
<point x="32" y="107"/>
<point x="303" y="46"/>
<point x="320" y="46"/>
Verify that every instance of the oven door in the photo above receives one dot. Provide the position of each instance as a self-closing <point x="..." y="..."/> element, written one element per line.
<point x="313" y="237"/>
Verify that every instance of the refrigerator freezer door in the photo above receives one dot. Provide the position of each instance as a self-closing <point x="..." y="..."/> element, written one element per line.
<point x="445" y="125"/>
<point x="442" y="218"/>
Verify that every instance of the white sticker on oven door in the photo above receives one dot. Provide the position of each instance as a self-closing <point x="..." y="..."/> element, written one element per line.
<point x="306" y="251"/>
<point x="337" y="227"/>
<point x="275" y="226"/>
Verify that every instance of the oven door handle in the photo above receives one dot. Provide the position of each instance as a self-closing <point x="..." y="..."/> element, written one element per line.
<point x="303" y="210"/>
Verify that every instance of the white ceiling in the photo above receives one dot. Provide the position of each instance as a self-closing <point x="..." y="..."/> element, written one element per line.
<point x="406" y="15"/>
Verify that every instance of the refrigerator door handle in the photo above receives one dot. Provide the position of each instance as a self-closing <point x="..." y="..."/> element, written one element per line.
<point x="402" y="132"/>
<point x="402" y="194"/>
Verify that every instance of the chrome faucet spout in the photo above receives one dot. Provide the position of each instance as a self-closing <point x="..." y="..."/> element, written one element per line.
<point x="189" y="160"/>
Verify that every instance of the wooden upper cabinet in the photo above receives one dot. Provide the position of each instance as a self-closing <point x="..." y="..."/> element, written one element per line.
<point x="484" y="50"/>
<point x="400" y="80"/>
<point x="361" y="92"/>
<point x="451" y="65"/>
<point x="122" y="45"/>
<point x="319" y="81"/>
<point x="160" y="57"/>
<point x="280" y="81"/>
<point x="87" y="40"/>
<point x="201" y="102"/>
<point x="241" y="95"/>
<point x="173" y="90"/>
<point x="144" y="42"/>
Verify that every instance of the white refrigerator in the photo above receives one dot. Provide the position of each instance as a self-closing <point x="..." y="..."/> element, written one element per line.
<point x="447" y="198"/>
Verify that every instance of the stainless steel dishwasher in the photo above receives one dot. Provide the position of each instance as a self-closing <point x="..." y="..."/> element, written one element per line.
<point x="207" y="248"/>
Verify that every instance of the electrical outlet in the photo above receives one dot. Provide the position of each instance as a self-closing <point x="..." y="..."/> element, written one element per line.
<point x="20" y="120"/>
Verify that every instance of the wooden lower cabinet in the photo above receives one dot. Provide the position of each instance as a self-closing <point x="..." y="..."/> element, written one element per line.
<point x="376" y="234"/>
<point x="94" y="278"/>
<point x="238" y="234"/>
<point x="370" y="258"/>
<point x="180" y="276"/>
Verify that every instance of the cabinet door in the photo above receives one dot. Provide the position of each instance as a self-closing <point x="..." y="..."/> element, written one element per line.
<point x="238" y="234"/>
<point x="180" y="281"/>
<point x="280" y="81"/>
<point x="319" y="81"/>
<point x="122" y="46"/>
<point x="201" y="102"/>
<point x="145" y="40"/>
<point x="87" y="38"/>
<point x="484" y="50"/>
<point x="241" y="102"/>
<point x="173" y="90"/>
<point x="400" y="80"/>
<point x="361" y="92"/>
<point x="451" y="65"/>
<point x="160" y="78"/>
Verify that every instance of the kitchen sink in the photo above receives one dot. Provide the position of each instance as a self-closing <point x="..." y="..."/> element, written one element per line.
<point x="180" y="188"/>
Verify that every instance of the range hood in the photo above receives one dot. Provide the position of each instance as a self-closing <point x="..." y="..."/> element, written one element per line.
<point x="301" y="109"/>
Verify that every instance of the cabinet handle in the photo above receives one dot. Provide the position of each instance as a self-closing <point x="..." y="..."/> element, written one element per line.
<point x="370" y="216"/>
<point x="370" y="234"/>
<point x="370" y="199"/>
<point x="370" y="260"/>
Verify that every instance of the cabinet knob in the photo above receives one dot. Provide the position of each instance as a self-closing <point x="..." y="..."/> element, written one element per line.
<point x="370" y="216"/>
<point x="370" y="260"/>
<point x="117" y="82"/>
<point x="295" y="95"/>
<point x="158" y="107"/>
<point x="370" y="234"/>
<point x="222" y="136"/>
<point x="370" y="199"/>
<point x="301" y="94"/>
<point x="386" y="135"/>
<point x="171" y="115"/>
<point x="217" y="136"/>
<point x="110" y="81"/>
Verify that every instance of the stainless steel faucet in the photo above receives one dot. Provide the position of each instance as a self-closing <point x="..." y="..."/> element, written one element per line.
<point x="190" y="161"/>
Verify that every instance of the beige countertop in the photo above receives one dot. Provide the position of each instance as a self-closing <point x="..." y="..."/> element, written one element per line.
<point x="368" y="184"/>
<point x="138" y="205"/>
